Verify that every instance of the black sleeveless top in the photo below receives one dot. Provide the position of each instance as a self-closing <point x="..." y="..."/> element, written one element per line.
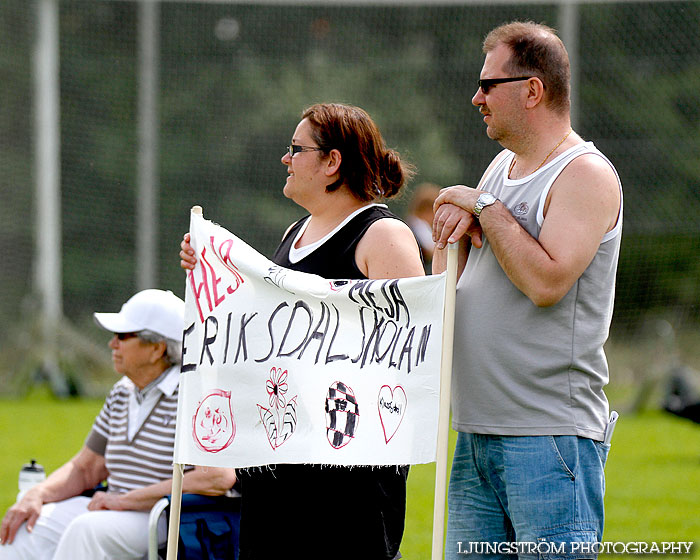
<point x="315" y="512"/>
<point x="336" y="257"/>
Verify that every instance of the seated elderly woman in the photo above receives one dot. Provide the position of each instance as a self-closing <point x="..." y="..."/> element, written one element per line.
<point x="130" y="446"/>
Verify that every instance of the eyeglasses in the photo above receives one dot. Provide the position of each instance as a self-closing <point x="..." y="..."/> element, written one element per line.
<point x="125" y="335"/>
<point x="295" y="149"/>
<point x="488" y="83"/>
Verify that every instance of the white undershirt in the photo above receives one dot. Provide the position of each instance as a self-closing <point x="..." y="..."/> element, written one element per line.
<point x="295" y="255"/>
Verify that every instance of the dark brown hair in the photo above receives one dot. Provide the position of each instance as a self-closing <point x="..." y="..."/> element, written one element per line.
<point x="368" y="168"/>
<point x="536" y="50"/>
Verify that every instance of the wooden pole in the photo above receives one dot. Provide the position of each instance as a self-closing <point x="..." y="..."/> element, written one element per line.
<point x="174" y="522"/>
<point x="444" y="414"/>
<point x="176" y="492"/>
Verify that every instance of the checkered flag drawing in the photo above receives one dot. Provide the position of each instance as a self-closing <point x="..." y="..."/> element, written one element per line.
<point x="342" y="414"/>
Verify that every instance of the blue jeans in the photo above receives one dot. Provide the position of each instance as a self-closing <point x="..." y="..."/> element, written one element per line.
<point x="528" y="493"/>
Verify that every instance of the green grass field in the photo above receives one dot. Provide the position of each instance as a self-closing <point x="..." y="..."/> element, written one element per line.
<point x="653" y="471"/>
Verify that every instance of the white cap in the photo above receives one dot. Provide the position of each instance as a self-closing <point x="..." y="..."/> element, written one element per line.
<point x="155" y="310"/>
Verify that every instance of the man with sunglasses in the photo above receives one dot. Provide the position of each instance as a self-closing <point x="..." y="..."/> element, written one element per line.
<point x="130" y="446"/>
<point x="539" y="243"/>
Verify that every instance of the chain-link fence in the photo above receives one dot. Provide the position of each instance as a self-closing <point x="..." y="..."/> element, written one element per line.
<point x="232" y="81"/>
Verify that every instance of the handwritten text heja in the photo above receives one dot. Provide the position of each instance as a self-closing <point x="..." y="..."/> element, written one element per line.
<point x="302" y="331"/>
<point x="209" y="283"/>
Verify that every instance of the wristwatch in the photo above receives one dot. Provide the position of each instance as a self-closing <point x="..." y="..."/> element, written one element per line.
<point x="485" y="199"/>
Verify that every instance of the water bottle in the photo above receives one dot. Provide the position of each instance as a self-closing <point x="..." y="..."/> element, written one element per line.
<point x="30" y="475"/>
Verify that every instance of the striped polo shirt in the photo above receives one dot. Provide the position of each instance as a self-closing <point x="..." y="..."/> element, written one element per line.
<point x="146" y="458"/>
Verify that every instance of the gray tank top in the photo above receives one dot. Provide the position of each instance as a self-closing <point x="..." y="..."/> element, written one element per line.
<point x="524" y="370"/>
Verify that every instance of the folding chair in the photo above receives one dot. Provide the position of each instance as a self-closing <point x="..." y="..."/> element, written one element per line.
<point x="209" y="527"/>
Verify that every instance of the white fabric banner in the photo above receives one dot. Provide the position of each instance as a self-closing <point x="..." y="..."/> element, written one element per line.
<point x="286" y="367"/>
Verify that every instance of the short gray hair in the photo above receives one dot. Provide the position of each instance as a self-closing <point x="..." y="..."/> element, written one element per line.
<point x="173" y="347"/>
<point x="536" y="50"/>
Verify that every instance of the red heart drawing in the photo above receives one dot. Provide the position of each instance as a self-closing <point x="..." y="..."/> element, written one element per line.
<point x="392" y="408"/>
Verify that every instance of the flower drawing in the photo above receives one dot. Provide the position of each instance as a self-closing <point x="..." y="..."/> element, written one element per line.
<point x="280" y="420"/>
<point x="277" y="387"/>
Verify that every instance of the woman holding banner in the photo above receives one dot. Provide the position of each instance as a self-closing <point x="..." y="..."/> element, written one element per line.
<point x="339" y="168"/>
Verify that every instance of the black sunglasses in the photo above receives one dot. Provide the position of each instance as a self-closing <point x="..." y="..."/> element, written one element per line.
<point x="125" y="335"/>
<point x="295" y="149"/>
<point x="488" y="83"/>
